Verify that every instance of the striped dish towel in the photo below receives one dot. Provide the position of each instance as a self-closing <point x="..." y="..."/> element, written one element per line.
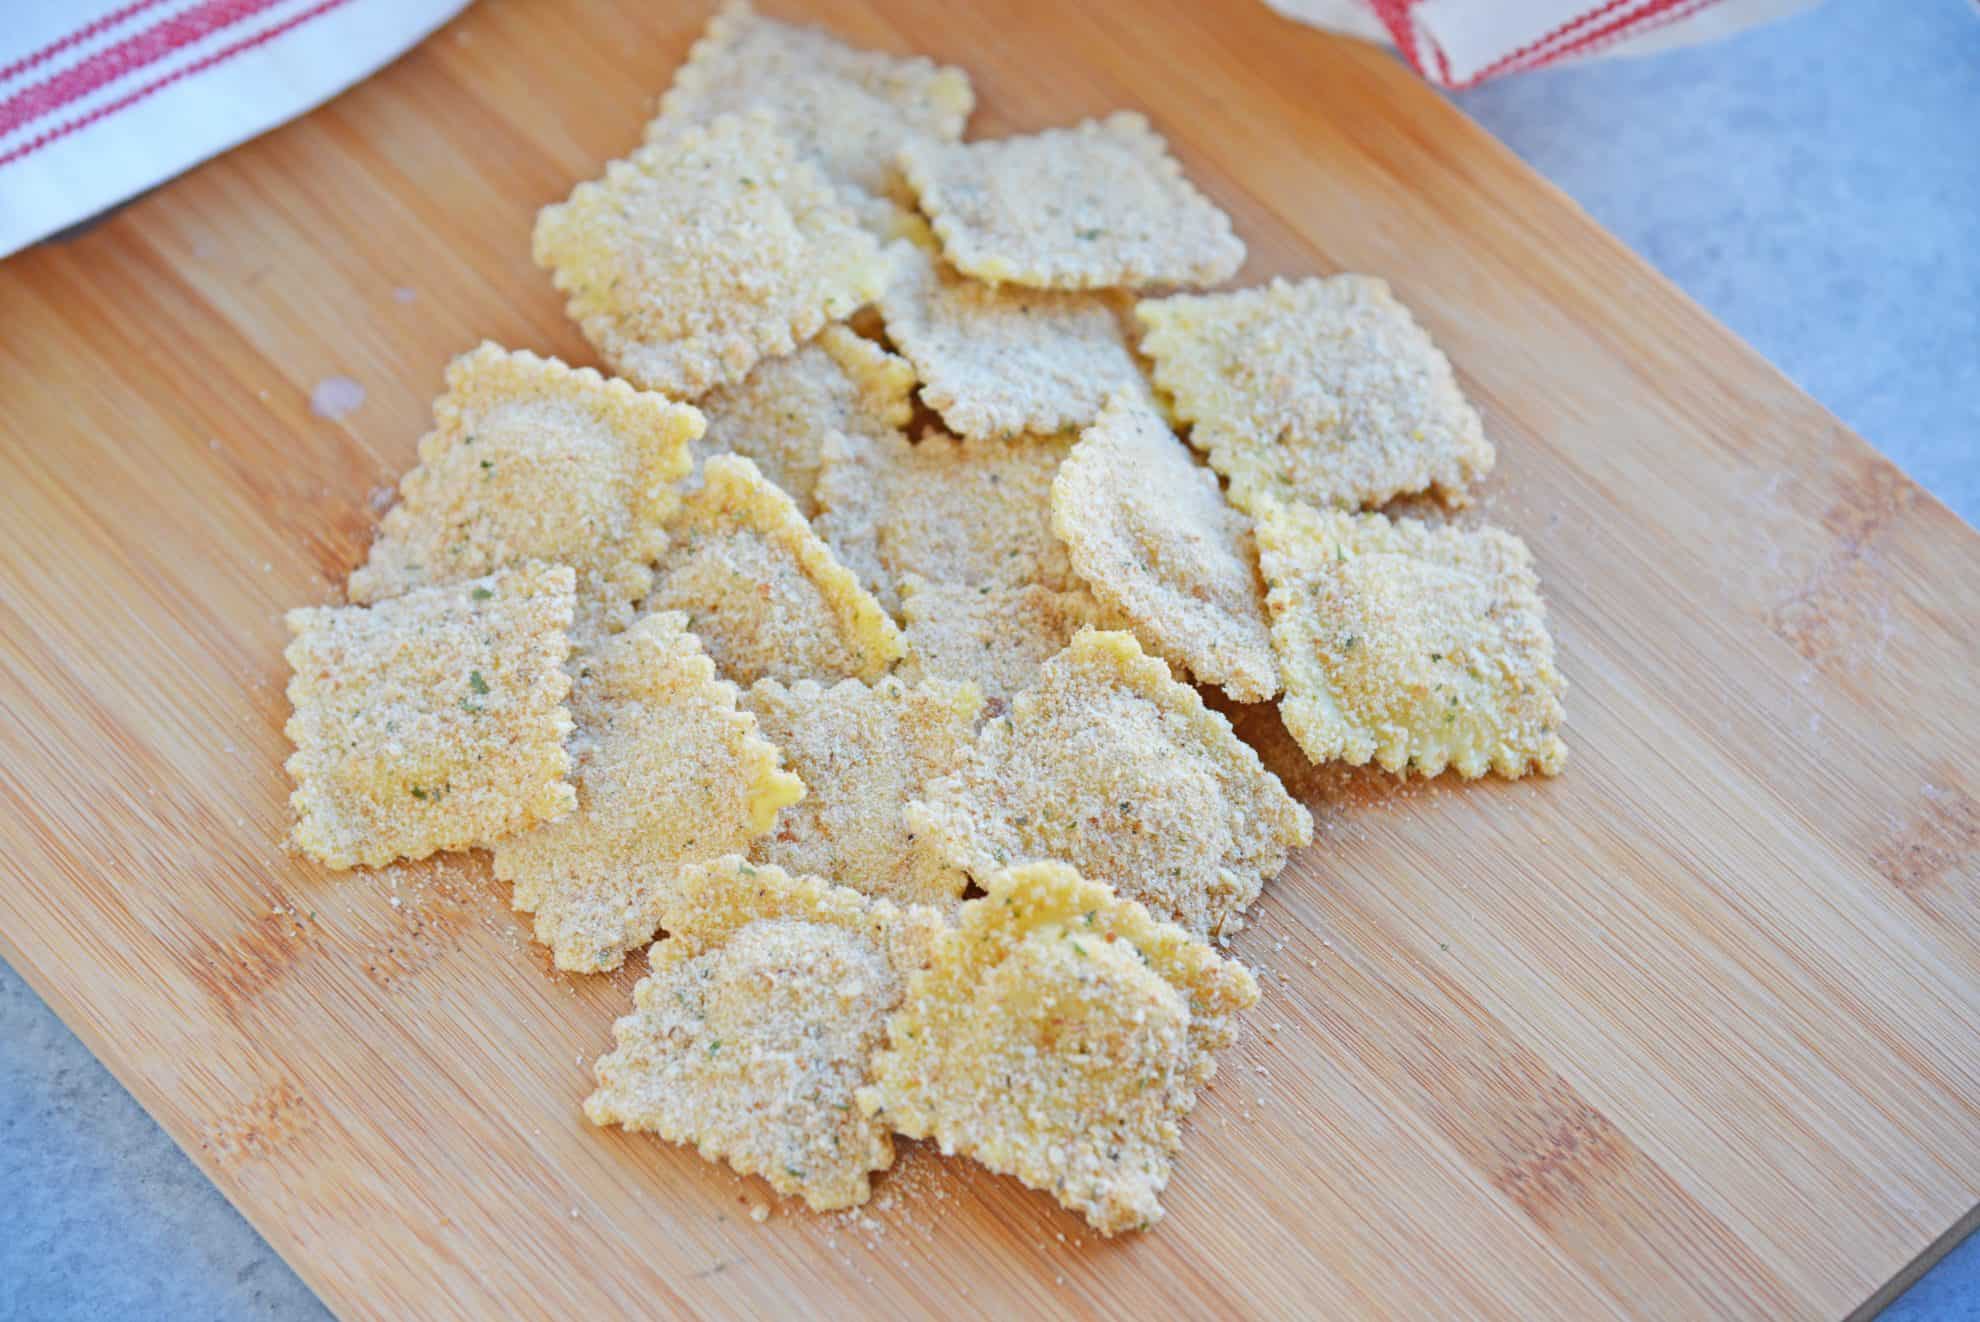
<point x="1460" y="43"/>
<point x="102" y="99"/>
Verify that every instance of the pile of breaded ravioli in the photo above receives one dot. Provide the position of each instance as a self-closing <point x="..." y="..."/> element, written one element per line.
<point x="846" y="637"/>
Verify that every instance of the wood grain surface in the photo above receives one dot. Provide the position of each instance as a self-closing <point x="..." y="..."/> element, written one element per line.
<point x="1689" y="1032"/>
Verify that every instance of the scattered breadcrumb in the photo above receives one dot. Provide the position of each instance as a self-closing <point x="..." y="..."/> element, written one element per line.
<point x="863" y="753"/>
<point x="669" y="773"/>
<point x="767" y="597"/>
<point x="1109" y="764"/>
<point x="1322" y="390"/>
<point x="1418" y="646"/>
<point x="1100" y="205"/>
<point x="699" y="255"/>
<point x="778" y="415"/>
<point x="434" y="720"/>
<point x="973" y="513"/>
<point x="1001" y="360"/>
<point x="849" y="111"/>
<point x="1059" y="1035"/>
<point x="754" y="1030"/>
<point x="530" y="459"/>
<point x="1151" y="534"/>
<point x="997" y="637"/>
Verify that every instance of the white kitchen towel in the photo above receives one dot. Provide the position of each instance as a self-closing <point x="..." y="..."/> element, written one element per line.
<point x="1458" y="43"/>
<point x="102" y="99"/>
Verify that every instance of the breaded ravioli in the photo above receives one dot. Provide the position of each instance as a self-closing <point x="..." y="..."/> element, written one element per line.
<point x="1420" y="647"/>
<point x="434" y="720"/>
<point x="1002" y="360"/>
<point x="1101" y="205"/>
<point x="1323" y="391"/>
<point x="701" y="254"/>
<point x="1109" y="764"/>
<point x="530" y="459"/>
<point x="754" y="1030"/>
<point x="848" y="111"/>
<point x="1059" y="1035"/>
<point x="1151" y="534"/>
<point x="863" y="752"/>
<point x="669" y="773"/>
<point x="766" y="596"/>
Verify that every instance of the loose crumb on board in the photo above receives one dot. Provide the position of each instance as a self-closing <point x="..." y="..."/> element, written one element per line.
<point x="335" y="397"/>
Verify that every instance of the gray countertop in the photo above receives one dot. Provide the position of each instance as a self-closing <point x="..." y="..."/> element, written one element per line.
<point x="1815" y="184"/>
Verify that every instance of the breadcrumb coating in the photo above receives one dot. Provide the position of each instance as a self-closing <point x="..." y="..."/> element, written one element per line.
<point x="1110" y="765"/>
<point x="1420" y="647"/>
<point x="704" y="253"/>
<point x="754" y="1030"/>
<point x="1100" y="205"/>
<point x="434" y="720"/>
<point x="1322" y="390"/>
<point x="669" y="773"/>
<point x="1059" y="1034"/>
<point x="531" y="459"/>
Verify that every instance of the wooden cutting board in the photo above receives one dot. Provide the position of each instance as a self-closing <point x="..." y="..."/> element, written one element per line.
<point x="1688" y="1032"/>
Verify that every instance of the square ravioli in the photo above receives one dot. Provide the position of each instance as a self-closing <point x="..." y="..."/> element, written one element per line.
<point x="1324" y="391"/>
<point x="1101" y="205"/>
<point x="1109" y="764"/>
<point x="767" y="597"/>
<point x="530" y="459"/>
<point x="434" y="720"/>
<point x="753" y="1032"/>
<point x="1421" y="647"/>
<point x="1059" y="1034"/>
<point x="996" y="637"/>
<point x="669" y="773"/>
<point x="863" y="752"/>
<point x="780" y="414"/>
<point x="1002" y="360"/>
<point x="972" y="513"/>
<point x="1151" y="534"/>
<point x="849" y="111"/>
<point x="698" y="256"/>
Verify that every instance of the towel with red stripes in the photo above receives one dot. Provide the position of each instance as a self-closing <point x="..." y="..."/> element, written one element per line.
<point x="1461" y="43"/>
<point x="103" y="99"/>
